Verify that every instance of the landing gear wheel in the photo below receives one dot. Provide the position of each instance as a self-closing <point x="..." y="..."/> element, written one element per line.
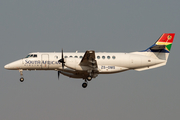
<point x="84" y="85"/>
<point x="21" y="79"/>
<point x="89" y="78"/>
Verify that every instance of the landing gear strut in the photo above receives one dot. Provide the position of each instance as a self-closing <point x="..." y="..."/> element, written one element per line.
<point x="21" y="73"/>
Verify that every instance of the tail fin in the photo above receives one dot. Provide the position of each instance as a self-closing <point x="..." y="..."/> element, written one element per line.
<point x="159" y="50"/>
<point x="163" y="44"/>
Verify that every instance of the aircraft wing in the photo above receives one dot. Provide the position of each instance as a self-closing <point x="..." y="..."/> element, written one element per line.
<point x="89" y="59"/>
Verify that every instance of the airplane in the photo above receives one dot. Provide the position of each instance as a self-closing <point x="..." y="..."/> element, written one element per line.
<point x="89" y="65"/>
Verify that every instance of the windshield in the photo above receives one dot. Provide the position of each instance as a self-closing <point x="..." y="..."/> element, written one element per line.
<point x="31" y="55"/>
<point x="27" y="56"/>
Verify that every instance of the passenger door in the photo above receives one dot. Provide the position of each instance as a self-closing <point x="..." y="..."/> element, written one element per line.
<point x="45" y="61"/>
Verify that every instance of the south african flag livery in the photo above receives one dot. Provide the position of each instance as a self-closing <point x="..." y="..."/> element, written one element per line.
<point x="163" y="44"/>
<point x="167" y="40"/>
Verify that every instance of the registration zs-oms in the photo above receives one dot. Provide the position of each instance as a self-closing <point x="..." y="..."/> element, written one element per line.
<point x="89" y="65"/>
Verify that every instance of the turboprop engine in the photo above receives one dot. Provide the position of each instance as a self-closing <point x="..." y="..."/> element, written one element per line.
<point x="73" y="63"/>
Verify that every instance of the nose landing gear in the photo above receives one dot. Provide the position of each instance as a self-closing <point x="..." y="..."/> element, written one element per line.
<point x="21" y="73"/>
<point x="21" y="79"/>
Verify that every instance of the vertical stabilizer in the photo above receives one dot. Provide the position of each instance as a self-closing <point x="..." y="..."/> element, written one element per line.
<point x="166" y="39"/>
<point x="161" y="48"/>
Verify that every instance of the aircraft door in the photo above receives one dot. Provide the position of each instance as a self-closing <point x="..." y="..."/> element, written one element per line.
<point x="45" y="61"/>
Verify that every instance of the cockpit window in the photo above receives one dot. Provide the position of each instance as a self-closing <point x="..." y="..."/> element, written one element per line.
<point x="27" y="56"/>
<point x="35" y="55"/>
<point x="31" y="55"/>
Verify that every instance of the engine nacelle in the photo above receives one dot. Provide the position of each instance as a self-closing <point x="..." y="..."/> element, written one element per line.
<point x="73" y="63"/>
<point x="72" y="75"/>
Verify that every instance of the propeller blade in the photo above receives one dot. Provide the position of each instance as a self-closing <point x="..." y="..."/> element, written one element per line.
<point x="62" y="59"/>
<point x="59" y="74"/>
<point x="63" y="65"/>
<point x="62" y="56"/>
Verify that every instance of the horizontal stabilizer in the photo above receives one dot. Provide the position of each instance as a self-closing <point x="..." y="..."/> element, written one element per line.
<point x="158" y="47"/>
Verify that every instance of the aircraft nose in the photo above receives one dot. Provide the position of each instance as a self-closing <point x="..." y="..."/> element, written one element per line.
<point x="14" y="65"/>
<point x="6" y="66"/>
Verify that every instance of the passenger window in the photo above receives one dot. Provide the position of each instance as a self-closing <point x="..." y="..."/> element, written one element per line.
<point x="113" y="57"/>
<point x="98" y="57"/>
<point x="66" y="57"/>
<point x="80" y="56"/>
<point x="103" y="57"/>
<point x="70" y="56"/>
<point x="108" y="57"/>
<point x="76" y="56"/>
<point x="56" y="57"/>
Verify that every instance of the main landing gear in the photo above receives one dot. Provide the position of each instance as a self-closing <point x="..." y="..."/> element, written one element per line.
<point x="21" y="73"/>
<point x="84" y="85"/>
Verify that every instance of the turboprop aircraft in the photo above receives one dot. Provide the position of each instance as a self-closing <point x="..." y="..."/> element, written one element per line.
<point x="89" y="64"/>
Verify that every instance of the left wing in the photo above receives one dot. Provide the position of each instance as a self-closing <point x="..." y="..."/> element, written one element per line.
<point x="89" y="60"/>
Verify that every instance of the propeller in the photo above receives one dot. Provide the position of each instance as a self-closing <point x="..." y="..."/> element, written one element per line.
<point x="59" y="74"/>
<point x="62" y="60"/>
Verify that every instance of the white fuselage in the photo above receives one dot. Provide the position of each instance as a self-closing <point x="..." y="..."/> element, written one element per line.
<point x="107" y="62"/>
